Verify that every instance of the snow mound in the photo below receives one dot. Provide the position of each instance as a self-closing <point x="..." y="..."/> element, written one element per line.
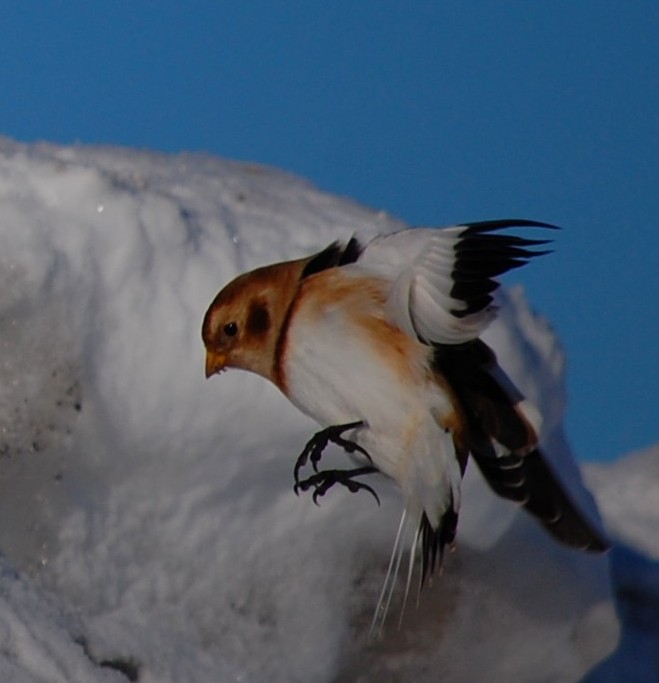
<point x="628" y="491"/>
<point x="158" y="508"/>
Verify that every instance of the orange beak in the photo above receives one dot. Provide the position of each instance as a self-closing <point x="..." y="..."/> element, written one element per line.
<point x="215" y="362"/>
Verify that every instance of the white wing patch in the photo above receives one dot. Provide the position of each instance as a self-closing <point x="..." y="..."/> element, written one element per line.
<point x="442" y="279"/>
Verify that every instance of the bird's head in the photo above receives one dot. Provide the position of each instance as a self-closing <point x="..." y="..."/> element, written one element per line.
<point x="242" y="325"/>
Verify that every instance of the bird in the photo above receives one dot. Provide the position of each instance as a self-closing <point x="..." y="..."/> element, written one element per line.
<point x="380" y="343"/>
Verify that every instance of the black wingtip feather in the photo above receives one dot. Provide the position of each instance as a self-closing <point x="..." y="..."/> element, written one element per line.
<point x="502" y="223"/>
<point x="481" y="255"/>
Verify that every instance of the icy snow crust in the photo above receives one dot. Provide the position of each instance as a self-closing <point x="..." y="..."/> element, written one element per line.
<point x="148" y="527"/>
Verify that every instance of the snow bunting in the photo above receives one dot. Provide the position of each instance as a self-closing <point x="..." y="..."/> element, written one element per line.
<point x="380" y="345"/>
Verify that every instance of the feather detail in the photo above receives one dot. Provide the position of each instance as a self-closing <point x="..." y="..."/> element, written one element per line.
<point x="334" y="256"/>
<point x="442" y="281"/>
<point x="503" y="442"/>
<point x="529" y="481"/>
<point x="476" y="378"/>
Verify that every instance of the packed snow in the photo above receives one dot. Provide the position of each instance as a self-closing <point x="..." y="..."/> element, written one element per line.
<point x="148" y="526"/>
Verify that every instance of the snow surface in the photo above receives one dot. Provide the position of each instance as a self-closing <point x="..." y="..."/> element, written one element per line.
<point x="148" y="527"/>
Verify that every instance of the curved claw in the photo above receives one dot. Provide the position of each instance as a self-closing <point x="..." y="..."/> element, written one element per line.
<point x="313" y="449"/>
<point x="303" y="486"/>
<point x="323" y="481"/>
<point x="355" y="486"/>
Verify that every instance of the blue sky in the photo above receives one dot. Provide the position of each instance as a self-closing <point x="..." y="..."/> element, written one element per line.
<point x="436" y="112"/>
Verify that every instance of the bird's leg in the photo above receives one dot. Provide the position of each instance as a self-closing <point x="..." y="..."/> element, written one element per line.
<point x="313" y="451"/>
<point x="323" y="481"/>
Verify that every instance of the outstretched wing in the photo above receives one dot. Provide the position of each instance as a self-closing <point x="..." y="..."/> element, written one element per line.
<point x="443" y="279"/>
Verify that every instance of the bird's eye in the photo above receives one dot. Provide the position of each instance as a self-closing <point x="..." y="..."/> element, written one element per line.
<point x="230" y="329"/>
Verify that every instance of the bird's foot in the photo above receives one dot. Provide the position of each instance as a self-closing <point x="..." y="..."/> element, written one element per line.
<point x="313" y="451"/>
<point x="323" y="481"/>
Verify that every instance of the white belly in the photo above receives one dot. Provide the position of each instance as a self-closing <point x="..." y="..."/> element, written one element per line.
<point x="336" y="376"/>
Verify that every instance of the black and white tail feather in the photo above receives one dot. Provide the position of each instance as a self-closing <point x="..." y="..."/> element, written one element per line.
<point x="443" y="295"/>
